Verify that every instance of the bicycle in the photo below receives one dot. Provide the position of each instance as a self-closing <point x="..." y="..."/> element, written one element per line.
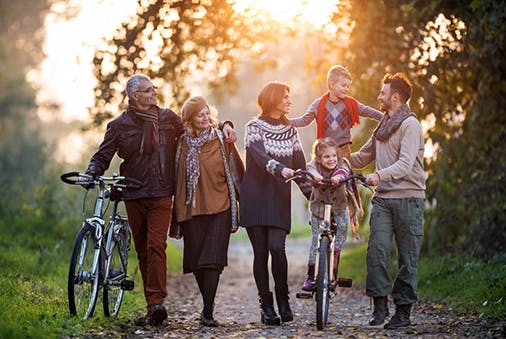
<point x="326" y="280"/>
<point x="99" y="256"/>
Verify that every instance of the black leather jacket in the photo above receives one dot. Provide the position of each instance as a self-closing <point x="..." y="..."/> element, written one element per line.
<point x="156" y="170"/>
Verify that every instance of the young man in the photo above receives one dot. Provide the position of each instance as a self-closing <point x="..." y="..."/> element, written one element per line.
<point x="397" y="146"/>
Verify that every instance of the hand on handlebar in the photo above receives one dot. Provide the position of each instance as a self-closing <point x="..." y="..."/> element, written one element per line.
<point x="287" y="173"/>
<point x="91" y="170"/>
<point x="373" y="179"/>
<point x="337" y="179"/>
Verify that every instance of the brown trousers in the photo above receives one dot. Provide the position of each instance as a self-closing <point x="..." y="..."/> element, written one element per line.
<point x="149" y="221"/>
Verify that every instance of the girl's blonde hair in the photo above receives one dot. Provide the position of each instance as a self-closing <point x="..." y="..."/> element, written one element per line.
<point x="321" y="145"/>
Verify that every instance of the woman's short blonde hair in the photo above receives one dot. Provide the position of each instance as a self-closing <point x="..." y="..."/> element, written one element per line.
<point x="192" y="107"/>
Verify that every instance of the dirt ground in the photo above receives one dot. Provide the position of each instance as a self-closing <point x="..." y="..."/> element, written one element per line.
<point x="237" y="309"/>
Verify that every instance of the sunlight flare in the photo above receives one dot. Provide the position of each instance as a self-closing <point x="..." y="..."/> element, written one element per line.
<point x="315" y="12"/>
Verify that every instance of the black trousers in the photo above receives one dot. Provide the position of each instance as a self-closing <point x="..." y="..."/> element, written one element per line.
<point x="265" y="240"/>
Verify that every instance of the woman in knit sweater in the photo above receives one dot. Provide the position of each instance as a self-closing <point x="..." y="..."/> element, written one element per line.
<point x="205" y="203"/>
<point x="273" y="152"/>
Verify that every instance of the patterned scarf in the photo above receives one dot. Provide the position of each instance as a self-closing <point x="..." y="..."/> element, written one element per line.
<point x="388" y="125"/>
<point x="193" y="163"/>
<point x="150" y="140"/>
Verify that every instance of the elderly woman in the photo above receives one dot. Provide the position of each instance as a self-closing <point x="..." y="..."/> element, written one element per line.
<point x="273" y="152"/>
<point x="205" y="201"/>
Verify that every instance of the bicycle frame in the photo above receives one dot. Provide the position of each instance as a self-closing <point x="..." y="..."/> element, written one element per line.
<point x="325" y="230"/>
<point x="92" y="256"/>
<point x="325" y="278"/>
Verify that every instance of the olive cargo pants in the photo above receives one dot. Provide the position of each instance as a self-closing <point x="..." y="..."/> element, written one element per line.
<point x="403" y="219"/>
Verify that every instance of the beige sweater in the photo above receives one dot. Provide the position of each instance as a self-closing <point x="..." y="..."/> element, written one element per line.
<point x="399" y="161"/>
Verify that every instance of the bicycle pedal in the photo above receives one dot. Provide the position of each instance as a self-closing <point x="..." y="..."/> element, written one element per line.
<point x="303" y="295"/>
<point x="127" y="285"/>
<point x="344" y="282"/>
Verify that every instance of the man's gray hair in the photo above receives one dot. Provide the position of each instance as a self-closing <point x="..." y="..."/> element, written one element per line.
<point x="133" y="83"/>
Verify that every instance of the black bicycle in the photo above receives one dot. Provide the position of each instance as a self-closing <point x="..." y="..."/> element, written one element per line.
<point x="99" y="257"/>
<point x="326" y="280"/>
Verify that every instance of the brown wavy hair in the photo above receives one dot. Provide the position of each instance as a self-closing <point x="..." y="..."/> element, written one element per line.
<point x="270" y="96"/>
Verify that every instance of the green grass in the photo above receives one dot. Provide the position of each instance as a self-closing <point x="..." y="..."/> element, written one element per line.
<point x="467" y="285"/>
<point x="33" y="281"/>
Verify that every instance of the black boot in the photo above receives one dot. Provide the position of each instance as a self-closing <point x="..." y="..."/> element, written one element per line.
<point x="400" y="318"/>
<point x="284" y="309"/>
<point x="380" y="311"/>
<point x="267" y="314"/>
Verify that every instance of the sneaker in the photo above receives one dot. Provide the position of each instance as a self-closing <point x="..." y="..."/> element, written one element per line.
<point x="156" y="314"/>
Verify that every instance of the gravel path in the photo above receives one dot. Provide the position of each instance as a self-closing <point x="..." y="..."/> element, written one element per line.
<point x="237" y="309"/>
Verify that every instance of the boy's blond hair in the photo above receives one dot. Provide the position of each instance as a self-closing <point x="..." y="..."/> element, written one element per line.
<point x="336" y="72"/>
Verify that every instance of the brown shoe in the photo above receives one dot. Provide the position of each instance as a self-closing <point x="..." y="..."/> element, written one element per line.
<point x="156" y="314"/>
<point x="380" y="311"/>
<point x="400" y="318"/>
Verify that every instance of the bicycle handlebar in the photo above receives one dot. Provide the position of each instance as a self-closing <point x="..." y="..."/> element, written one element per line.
<point x="88" y="181"/>
<point x="306" y="175"/>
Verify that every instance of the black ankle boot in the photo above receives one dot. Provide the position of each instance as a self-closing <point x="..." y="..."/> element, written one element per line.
<point x="400" y="318"/>
<point x="380" y="311"/>
<point x="267" y="314"/>
<point x="285" y="312"/>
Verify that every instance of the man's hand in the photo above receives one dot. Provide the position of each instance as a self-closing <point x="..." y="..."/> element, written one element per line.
<point x="91" y="170"/>
<point x="229" y="133"/>
<point x="373" y="179"/>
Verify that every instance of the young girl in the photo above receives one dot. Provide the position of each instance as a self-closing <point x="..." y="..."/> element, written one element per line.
<point x="329" y="164"/>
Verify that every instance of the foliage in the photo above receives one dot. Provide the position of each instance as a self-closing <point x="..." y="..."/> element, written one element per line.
<point x="175" y="42"/>
<point x="453" y="53"/>
<point x="21" y="148"/>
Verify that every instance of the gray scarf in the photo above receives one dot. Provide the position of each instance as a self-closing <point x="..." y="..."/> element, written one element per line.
<point x="388" y="125"/>
<point x="192" y="162"/>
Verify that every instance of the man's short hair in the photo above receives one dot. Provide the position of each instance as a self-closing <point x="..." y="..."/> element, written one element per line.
<point x="133" y="83"/>
<point x="336" y="72"/>
<point x="399" y="83"/>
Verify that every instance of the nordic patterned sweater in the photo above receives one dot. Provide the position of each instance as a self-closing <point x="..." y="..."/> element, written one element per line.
<point x="265" y="196"/>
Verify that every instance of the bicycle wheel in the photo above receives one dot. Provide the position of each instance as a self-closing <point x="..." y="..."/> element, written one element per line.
<point x="115" y="266"/>
<point x="83" y="276"/>
<point x="322" y="284"/>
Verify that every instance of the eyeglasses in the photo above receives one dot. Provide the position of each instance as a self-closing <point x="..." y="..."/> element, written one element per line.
<point x="149" y="89"/>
